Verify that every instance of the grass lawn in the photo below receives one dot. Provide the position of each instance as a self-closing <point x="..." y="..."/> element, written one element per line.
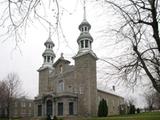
<point x="141" y="116"/>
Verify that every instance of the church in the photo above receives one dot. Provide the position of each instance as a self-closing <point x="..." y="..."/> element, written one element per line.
<point x="71" y="90"/>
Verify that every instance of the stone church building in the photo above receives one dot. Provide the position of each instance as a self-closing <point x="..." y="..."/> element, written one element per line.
<point x="71" y="90"/>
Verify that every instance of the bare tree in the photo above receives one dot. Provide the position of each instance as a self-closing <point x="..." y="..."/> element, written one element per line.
<point x="153" y="99"/>
<point x="10" y="89"/>
<point x="149" y="96"/>
<point x="17" y="15"/>
<point x="3" y="94"/>
<point x="157" y="100"/>
<point x="130" y="104"/>
<point x="139" y="31"/>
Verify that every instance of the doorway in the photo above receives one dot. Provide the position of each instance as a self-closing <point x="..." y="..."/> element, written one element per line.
<point x="49" y="107"/>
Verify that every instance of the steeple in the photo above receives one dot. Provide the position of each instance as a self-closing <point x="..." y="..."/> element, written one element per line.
<point x="48" y="54"/>
<point x="85" y="39"/>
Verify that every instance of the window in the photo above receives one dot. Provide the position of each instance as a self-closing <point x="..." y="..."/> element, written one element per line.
<point x="86" y="43"/>
<point x="23" y="104"/>
<point x="75" y="90"/>
<point x="49" y="107"/>
<point x="82" y="29"/>
<point x="71" y="108"/>
<point x="15" y="104"/>
<point x="39" y="110"/>
<point x="113" y="103"/>
<point x="44" y="58"/>
<point x="48" y="59"/>
<point x="60" y="109"/>
<point x="30" y="104"/>
<point x="82" y="44"/>
<point x="85" y="28"/>
<point x="60" y="68"/>
<point x="52" y="59"/>
<point x="60" y="86"/>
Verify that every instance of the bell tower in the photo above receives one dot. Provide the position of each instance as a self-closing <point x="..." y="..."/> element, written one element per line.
<point x="48" y="54"/>
<point x="85" y="39"/>
<point x="47" y="66"/>
<point x="85" y="71"/>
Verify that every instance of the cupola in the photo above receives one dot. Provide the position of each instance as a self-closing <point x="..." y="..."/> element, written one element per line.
<point x="48" y="54"/>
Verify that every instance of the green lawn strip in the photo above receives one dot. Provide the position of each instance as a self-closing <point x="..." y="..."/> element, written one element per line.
<point x="141" y="116"/>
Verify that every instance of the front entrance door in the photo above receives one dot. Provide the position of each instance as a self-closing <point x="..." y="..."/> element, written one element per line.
<point x="49" y="107"/>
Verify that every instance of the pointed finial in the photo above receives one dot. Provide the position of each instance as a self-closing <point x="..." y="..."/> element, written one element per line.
<point x="84" y="8"/>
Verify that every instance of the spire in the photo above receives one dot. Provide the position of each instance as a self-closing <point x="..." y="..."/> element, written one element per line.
<point x="49" y="30"/>
<point x="84" y="8"/>
<point x="84" y="22"/>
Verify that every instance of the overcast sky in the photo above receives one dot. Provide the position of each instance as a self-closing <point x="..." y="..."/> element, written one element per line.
<point x="26" y="61"/>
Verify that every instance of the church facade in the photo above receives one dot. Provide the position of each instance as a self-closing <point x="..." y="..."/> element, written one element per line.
<point x="71" y="90"/>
